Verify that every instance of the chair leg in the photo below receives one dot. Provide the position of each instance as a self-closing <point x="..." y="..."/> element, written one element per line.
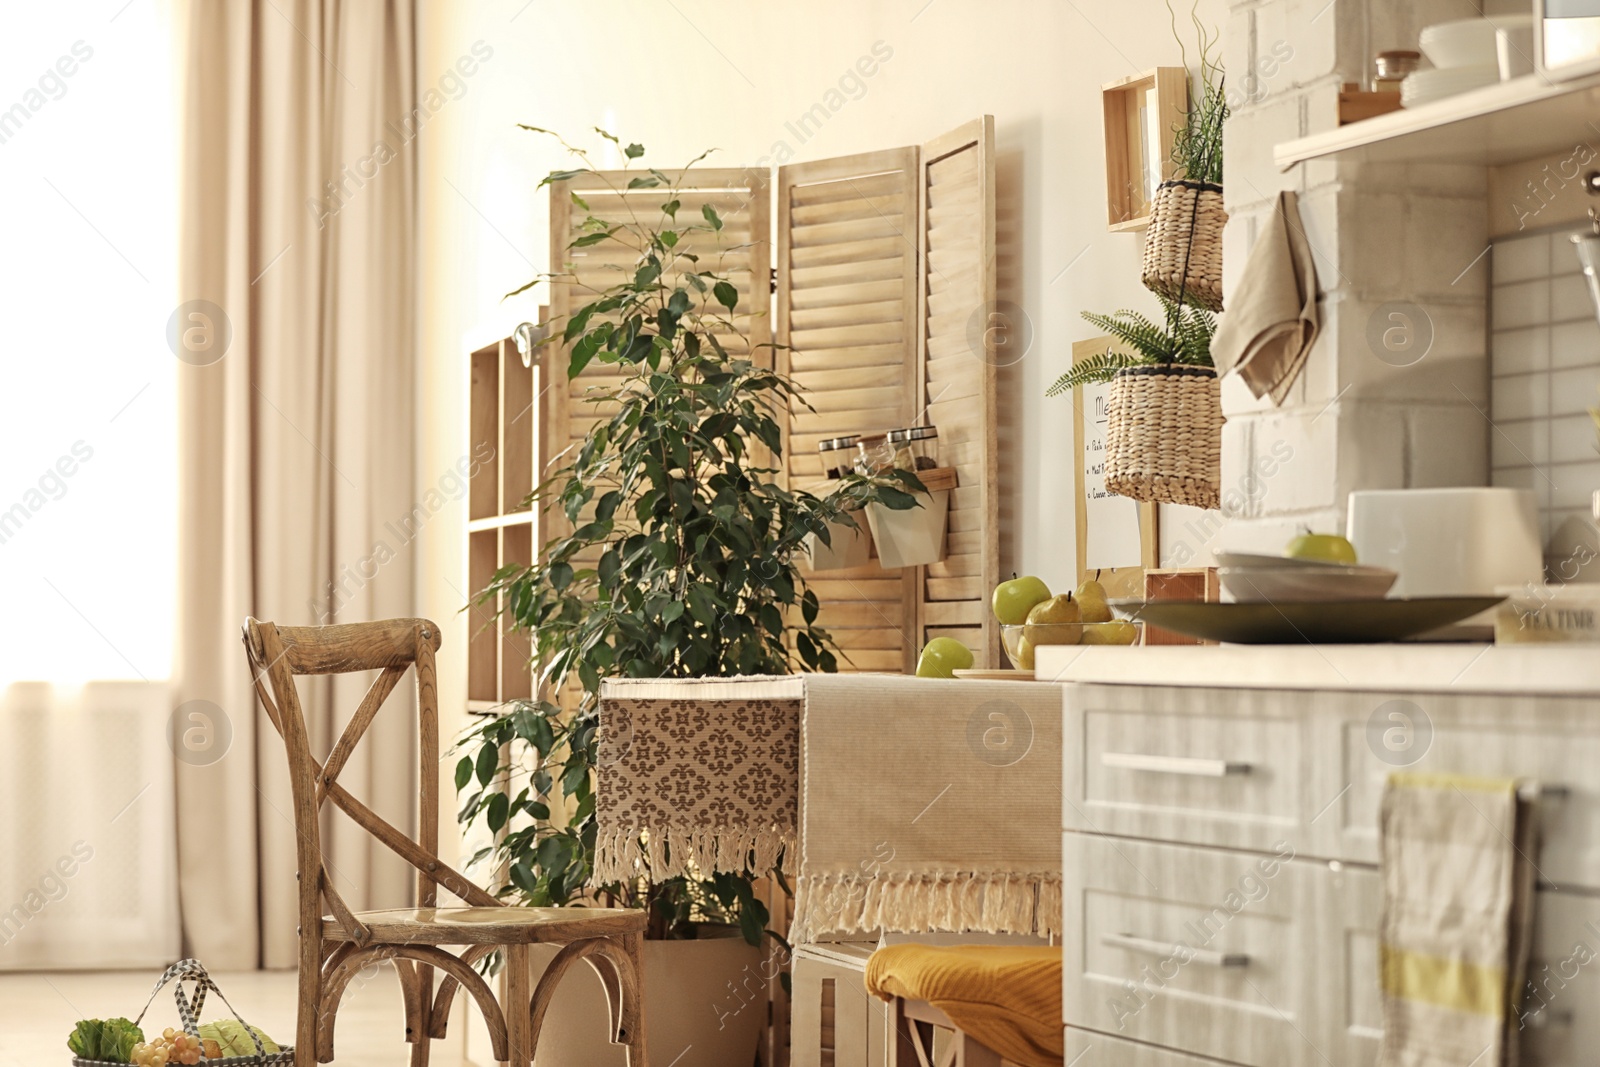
<point x="518" y="1006"/>
<point x="307" y="1013"/>
<point x="423" y="1019"/>
<point x="633" y="1006"/>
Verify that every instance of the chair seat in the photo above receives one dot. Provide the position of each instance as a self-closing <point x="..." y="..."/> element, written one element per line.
<point x="488" y="926"/>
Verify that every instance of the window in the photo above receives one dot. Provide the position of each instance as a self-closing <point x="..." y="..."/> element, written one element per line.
<point x="87" y="265"/>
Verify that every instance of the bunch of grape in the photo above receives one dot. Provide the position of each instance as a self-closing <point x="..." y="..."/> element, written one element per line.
<point x="172" y="1048"/>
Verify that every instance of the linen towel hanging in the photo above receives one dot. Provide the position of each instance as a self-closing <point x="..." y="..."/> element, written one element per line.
<point x="929" y="805"/>
<point x="1453" y="942"/>
<point x="1272" y="318"/>
<point x="696" y="776"/>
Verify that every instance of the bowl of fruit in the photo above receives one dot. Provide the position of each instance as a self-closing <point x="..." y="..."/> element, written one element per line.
<point x="1031" y="617"/>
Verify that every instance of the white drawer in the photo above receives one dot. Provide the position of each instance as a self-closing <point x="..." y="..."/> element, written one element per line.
<point x="1240" y="997"/>
<point x="1555" y="740"/>
<point x="1088" y="1049"/>
<point x="1200" y="766"/>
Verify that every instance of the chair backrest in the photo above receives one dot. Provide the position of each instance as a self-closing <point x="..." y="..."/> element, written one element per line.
<point x="277" y="655"/>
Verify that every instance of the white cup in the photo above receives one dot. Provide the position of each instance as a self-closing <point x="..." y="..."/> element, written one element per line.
<point x="1514" y="48"/>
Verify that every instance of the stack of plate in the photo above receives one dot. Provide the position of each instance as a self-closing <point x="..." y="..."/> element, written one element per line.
<point x="1250" y="578"/>
<point x="1465" y="55"/>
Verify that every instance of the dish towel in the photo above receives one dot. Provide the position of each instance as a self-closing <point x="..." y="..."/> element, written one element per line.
<point x="1008" y="997"/>
<point x="1458" y="888"/>
<point x="928" y="805"/>
<point x="1272" y="317"/>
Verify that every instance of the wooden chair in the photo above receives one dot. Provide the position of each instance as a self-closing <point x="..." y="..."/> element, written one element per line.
<point x="334" y="948"/>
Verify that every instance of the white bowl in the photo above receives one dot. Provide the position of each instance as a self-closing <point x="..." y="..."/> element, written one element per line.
<point x="1426" y="86"/>
<point x="1301" y="584"/>
<point x="1467" y="42"/>
<point x="1254" y="560"/>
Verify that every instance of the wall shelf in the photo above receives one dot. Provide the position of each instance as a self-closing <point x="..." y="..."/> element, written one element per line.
<point x="1503" y="123"/>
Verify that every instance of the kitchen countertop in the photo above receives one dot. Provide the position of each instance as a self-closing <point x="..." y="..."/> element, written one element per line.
<point x="1572" y="669"/>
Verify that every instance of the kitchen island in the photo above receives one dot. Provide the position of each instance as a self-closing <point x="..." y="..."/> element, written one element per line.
<point x="1237" y="787"/>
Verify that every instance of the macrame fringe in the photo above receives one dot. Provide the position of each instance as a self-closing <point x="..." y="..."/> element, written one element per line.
<point x="667" y="852"/>
<point x="987" y="902"/>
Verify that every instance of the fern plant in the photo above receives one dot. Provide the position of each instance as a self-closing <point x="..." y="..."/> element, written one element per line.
<point x="1184" y="339"/>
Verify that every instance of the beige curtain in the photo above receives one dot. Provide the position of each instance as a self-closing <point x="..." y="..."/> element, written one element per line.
<point x="295" y="407"/>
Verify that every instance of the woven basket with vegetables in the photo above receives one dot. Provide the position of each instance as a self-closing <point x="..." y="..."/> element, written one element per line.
<point x="225" y="1043"/>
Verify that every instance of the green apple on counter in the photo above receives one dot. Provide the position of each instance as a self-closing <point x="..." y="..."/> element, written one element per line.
<point x="942" y="657"/>
<point x="1329" y="548"/>
<point x="1014" y="599"/>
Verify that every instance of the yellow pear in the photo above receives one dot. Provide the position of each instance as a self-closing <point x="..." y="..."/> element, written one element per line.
<point x="1092" y="601"/>
<point x="1057" y="621"/>
<point x="1024" y="653"/>
<point x="1121" y="632"/>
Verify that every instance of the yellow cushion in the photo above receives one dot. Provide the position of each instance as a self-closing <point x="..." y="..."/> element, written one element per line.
<point x="1007" y="997"/>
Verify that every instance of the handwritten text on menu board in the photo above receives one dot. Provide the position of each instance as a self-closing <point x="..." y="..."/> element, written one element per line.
<point x="1113" y="527"/>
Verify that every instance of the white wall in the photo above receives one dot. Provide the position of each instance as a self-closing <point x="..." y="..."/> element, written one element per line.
<point x="682" y="76"/>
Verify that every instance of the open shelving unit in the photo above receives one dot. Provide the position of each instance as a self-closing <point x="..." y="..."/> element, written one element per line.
<point x="501" y="527"/>
<point x="1504" y="123"/>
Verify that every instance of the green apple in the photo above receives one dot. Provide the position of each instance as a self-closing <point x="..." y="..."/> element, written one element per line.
<point x="1014" y="599"/>
<point x="1092" y="601"/>
<point x="942" y="657"/>
<point x="1329" y="548"/>
<point x="1057" y="621"/>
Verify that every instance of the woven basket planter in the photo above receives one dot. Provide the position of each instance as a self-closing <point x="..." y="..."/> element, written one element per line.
<point x="1164" y="435"/>
<point x="1183" y="244"/>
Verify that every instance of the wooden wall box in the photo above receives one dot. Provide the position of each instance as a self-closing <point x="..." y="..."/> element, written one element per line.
<point x="1179" y="583"/>
<point x="1142" y="116"/>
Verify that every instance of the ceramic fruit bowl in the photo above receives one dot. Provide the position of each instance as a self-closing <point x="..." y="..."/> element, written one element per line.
<point x="1304" y="584"/>
<point x="1044" y="633"/>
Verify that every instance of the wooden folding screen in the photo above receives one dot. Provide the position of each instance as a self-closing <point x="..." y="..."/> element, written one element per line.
<point x="847" y="299"/>
<point x="885" y="278"/>
<point x="886" y="295"/>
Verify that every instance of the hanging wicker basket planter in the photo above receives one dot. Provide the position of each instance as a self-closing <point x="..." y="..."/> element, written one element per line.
<point x="1183" y="244"/>
<point x="1164" y="435"/>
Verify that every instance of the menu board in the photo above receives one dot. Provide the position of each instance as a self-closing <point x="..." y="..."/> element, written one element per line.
<point x="1114" y="532"/>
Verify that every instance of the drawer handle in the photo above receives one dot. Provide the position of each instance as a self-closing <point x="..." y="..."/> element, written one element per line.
<point x="1167" y="948"/>
<point x="1199" y="768"/>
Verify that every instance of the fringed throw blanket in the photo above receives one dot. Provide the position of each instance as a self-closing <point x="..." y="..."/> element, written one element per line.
<point x="696" y="775"/>
<point x="929" y="806"/>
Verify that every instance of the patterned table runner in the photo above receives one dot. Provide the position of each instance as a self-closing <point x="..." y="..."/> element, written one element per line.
<point x="696" y="775"/>
<point x="920" y="805"/>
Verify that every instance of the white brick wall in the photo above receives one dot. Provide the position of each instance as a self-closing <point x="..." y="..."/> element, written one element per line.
<point x="1381" y="235"/>
<point x="1545" y="366"/>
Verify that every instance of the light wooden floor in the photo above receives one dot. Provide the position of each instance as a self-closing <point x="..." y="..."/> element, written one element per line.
<point x="38" y="1010"/>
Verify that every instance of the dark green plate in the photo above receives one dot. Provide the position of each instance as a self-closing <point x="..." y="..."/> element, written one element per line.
<point x="1336" y="622"/>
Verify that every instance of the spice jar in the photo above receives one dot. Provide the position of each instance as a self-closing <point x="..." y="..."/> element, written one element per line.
<point x="916" y="448"/>
<point x="837" y="455"/>
<point x="874" y="454"/>
<point x="1392" y="68"/>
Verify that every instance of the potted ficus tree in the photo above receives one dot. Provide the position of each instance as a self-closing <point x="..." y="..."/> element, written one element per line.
<point x="679" y="559"/>
<point x="1164" y="408"/>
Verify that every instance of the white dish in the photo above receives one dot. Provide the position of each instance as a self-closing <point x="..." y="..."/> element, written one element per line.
<point x="1254" y="560"/>
<point x="1467" y="42"/>
<point x="1425" y="86"/>
<point x="1303" y="585"/>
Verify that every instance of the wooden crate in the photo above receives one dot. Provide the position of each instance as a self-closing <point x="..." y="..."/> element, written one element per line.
<point x="835" y="1022"/>
<point x="1179" y="583"/>
<point x="1142" y="116"/>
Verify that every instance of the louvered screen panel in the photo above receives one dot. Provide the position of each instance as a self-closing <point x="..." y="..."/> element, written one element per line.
<point x="847" y="284"/>
<point x="958" y="329"/>
<point x="741" y="252"/>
